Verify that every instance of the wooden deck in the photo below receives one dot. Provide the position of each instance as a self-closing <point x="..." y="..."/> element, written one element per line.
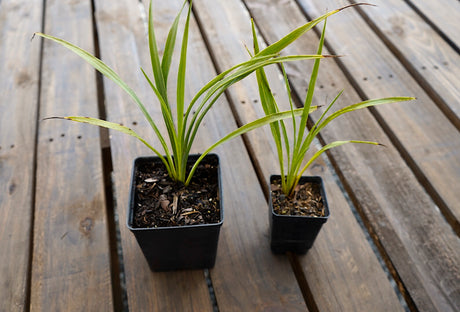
<point x="392" y="242"/>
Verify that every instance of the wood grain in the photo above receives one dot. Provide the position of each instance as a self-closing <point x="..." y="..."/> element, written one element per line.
<point x="419" y="242"/>
<point x="123" y="47"/>
<point x="425" y="53"/>
<point x="425" y="137"/>
<point x="239" y="251"/>
<point x="341" y="261"/>
<point x="443" y="14"/>
<point x="19" y="68"/>
<point x="71" y="260"/>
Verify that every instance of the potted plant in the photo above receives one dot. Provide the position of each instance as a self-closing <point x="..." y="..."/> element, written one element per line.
<point x="172" y="231"/>
<point x="298" y="204"/>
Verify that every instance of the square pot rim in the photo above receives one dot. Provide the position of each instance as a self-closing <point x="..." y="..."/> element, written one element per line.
<point x="323" y="195"/>
<point x="175" y="227"/>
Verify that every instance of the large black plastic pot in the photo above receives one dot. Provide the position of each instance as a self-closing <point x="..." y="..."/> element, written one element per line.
<point x="296" y="233"/>
<point x="176" y="247"/>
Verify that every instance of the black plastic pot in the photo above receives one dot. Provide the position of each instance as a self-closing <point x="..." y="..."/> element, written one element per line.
<point x="176" y="247"/>
<point x="296" y="233"/>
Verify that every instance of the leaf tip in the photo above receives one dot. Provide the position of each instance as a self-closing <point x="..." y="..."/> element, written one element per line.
<point x="53" y="117"/>
<point x="355" y="4"/>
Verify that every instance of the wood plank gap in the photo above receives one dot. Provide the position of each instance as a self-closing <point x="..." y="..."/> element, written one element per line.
<point x="300" y="275"/>
<point x="34" y="168"/>
<point x="116" y="263"/>
<point x="294" y="260"/>
<point x="122" y="23"/>
<point x="383" y="258"/>
<point x="423" y="180"/>
<point x="212" y="294"/>
<point x="433" y="25"/>
<point x="382" y="254"/>
<point x="431" y="92"/>
<point x="250" y="150"/>
<point x="295" y="265"/>
<point x="303" y="283"/>
<point x="366" y="226"/>
<point x="71" y="222"/>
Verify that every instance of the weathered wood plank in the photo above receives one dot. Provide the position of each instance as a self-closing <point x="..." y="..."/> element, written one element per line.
<point x="428" y="141"/>
<point x="250" y="277"/>
<point x="421" y="245"/>
<point x="444" y="14"/>
<point x="124" y="47"/>
<point x="425" y="53"/>
<point x="71" y="254"/>
<point x="260" y="286"/>
<point x="19" y="68"/>
<point x="341" y="261"/>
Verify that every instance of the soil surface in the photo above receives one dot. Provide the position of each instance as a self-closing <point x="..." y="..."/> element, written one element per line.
<point x="161" y="202"/>
<point x="306" y="200"/>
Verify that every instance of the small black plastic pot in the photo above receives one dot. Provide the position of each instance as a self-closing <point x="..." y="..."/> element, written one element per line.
<point x="295" y="233"/>
<point x="176" y="247"/>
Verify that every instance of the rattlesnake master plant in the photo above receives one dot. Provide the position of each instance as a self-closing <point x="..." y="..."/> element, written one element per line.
<point x="292" y="151"/>
<point x="182" y="126"/>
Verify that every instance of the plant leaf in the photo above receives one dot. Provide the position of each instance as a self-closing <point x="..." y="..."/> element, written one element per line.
<point x="322" y="150"/>
<point x="169" y="46"/>
<point x="181" y="86"/>
<point x="309" y="97"/>
<point x="360" y="105"/>
<point x="113" y="126"/>
<point x="243" y="129"/>
<point x="294" y="35"/>
<point x="155" y="58"/>
<point x="112" y="75"/>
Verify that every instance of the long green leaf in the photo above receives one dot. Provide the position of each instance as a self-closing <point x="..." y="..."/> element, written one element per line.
<point x="169" y="46"/>
<point x="113" y="126"/>
<point x="155" y="58"/>
<point x="220" y="86"/>
<point x="180" y="100"/>
<point x="310" y="93"/>
<point x="112" y="75"/>
<point x="294" y="35"/>
<point x="269" y="105"/>
<point x="241" y="130"/>
<point x="167" y="116"/>
<point x="360" y="105"/>
<point x="318" y="153"/>
<point x="311" y="135"/>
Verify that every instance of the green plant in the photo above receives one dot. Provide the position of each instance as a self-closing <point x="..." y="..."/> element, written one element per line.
<point x="296" y="148"/>
<point x="182" y="126"/>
